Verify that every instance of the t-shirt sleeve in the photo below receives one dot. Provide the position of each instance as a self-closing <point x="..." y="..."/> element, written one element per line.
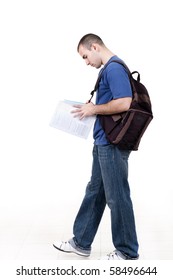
<point x="118" y="81"/>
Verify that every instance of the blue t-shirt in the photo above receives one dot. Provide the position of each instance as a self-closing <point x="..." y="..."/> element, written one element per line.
<point x="114" y="84"/>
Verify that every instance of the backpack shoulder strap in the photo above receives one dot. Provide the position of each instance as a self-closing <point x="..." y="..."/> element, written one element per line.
<point x="100" y="75"/>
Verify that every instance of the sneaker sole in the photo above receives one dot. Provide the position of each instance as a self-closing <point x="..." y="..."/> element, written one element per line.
<point x="79" y="254"/>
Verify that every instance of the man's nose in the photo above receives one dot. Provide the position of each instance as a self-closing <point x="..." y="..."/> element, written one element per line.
<point x="87" y="62"/>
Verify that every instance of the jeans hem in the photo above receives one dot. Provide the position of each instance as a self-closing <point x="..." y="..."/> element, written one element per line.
<point x="74" y="244"/>
<point x="126" y="257"/>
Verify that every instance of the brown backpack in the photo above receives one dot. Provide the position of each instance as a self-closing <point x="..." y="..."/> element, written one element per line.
<point x="126" y="129"/>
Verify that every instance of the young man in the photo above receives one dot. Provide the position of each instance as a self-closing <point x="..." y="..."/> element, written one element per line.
<point x="109" y="179"/>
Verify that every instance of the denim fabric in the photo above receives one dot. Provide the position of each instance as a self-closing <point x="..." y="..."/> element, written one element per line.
<point x="108" y="185"/>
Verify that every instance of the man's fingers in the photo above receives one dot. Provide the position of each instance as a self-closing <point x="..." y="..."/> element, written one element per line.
<point x="77" y="113"/>
<point x="76" y="110"/>
<point x="77" y="106"/>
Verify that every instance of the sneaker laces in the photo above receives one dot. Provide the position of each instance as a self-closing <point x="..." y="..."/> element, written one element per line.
<point x="63" y="243"/>
<point x="112" y="254"/>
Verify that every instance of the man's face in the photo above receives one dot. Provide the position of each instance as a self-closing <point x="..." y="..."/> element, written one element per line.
<point x="91" y="56"/>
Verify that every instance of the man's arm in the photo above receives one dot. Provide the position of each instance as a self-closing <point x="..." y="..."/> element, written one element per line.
<point x="113" y="107"/>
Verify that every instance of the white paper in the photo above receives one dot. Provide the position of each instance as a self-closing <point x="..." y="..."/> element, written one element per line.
<point x="64" y="120"/>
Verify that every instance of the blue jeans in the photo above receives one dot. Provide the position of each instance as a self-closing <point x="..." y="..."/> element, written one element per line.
<point x="108" y="185"/>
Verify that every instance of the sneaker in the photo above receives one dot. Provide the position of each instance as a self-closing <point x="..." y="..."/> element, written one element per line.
<point x="115" y="255"/>
<point x="70" y="247"/>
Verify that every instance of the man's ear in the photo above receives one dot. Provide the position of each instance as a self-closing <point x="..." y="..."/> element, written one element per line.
<point x="95" y="47"/>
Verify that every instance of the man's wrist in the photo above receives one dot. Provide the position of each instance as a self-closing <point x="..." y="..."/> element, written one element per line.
<point x="98" y="109"/>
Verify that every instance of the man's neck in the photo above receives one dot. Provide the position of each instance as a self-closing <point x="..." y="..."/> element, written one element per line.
<point x="106" y="55"/>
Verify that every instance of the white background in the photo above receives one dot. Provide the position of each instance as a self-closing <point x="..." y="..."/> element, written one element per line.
<point x="43" y="168"/>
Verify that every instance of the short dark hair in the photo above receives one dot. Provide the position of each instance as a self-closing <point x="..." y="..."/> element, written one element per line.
<point x="88" y="39"/>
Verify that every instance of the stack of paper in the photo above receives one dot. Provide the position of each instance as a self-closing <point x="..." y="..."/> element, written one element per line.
<point x="64" y="120"/>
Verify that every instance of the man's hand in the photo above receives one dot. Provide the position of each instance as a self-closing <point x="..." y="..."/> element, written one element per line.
<point x="83" y="111"/>
<point x="112" y="107"/>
